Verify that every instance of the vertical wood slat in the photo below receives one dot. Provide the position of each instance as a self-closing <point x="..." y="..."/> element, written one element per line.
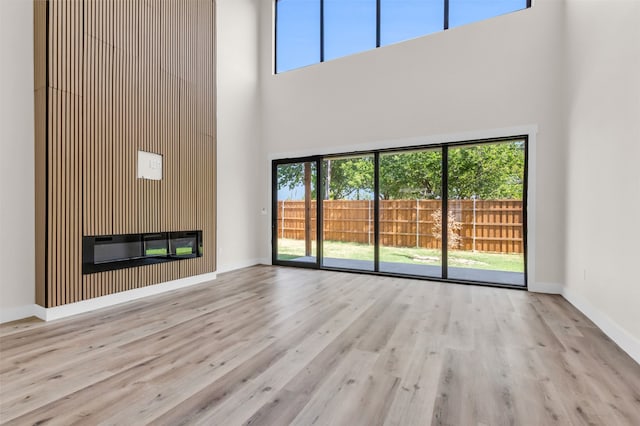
<point x="66" y="141"/>
<point x="40" y="115"/>
<point x="52" y="141"/>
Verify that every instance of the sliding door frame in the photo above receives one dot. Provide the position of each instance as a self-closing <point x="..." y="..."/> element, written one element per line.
<point x="274" y="212"/>
<point x="444" y="147"/>
<point x="444" y="208"/>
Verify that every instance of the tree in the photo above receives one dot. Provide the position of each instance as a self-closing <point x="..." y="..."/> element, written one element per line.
<point x="349" y="178"/>
<point x="488" y="171"/>
<point x="292" y="176"/>
<point x="411" y="175"/>
<point x="453" y="228"/>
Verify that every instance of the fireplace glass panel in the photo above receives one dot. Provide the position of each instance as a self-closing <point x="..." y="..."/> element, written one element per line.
<point x="117" y="251"/>
<point x="183" y="245"/>
<point x="155" y="245"/>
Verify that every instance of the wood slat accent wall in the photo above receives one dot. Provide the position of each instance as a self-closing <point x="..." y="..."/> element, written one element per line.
<point x="113" y="77"/>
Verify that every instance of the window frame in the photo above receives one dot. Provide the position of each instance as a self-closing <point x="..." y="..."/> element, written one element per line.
<point x="378" y="31"/>
<point x="444" y="147"/>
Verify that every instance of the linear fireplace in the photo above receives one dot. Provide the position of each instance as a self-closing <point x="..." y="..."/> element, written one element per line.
<point x="110" y="252"/>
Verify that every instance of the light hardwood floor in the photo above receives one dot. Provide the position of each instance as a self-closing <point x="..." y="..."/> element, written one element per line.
<point x="270" y="346"/>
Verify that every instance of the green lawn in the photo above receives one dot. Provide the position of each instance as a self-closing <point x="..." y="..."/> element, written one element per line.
<point x="291" y="249"/>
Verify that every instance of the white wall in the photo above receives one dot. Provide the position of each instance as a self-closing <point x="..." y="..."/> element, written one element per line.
<point x="500" y="73"/>
<point x="17" y="256"/>
<point x="603" y="209"/>
<point x="239" y="180"/>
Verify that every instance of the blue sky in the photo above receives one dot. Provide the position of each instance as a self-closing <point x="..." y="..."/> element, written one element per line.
<point x="350" y="25"/>
<point x="295" y="194"/>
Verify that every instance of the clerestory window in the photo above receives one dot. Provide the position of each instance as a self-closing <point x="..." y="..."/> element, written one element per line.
<point x="308" y="32"/>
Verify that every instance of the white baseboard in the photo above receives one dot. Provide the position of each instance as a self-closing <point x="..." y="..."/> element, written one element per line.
<point x="628" y="343"/>
<point x="549" y="288"/>
<point x="17" y="313"/>
<point x="49" y="314"/>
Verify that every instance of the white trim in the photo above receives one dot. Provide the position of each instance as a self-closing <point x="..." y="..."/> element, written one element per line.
<point x="70" y="309"/>
<point x="39" y="312"/>
<point x="549" y="288"/>
<point x="629" y="343"/>
<point x="17" y="313"/>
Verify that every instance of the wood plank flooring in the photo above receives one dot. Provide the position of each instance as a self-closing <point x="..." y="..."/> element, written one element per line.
<point x="277" y="346"/>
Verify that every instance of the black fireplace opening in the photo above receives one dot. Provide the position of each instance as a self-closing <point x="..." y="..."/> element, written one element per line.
<point x="111" y="252"/>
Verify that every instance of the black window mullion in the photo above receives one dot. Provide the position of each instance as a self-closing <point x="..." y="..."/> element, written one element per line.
<point x="446" y="14"/>
<point x="275" y="39"/>
<point x="525" y="212"/>
<point x="378" y="23"/>
<point x="376" y="212"/>
<point x="445" y="212"/>
<point x="321" y="30"/>
<point x="274" y="212"/>
<point x="319" y="213"/>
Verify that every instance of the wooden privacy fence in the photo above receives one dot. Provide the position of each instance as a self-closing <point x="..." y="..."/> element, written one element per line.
<point x="486" y="225"/>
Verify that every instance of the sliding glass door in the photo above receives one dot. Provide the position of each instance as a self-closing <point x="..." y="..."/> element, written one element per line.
<point x="485" y="212"/>
<point x="348" y="212"/>
<point x="410" y="211"/>
<point x="295" y="212"/>
<point x="452" y="211"/>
